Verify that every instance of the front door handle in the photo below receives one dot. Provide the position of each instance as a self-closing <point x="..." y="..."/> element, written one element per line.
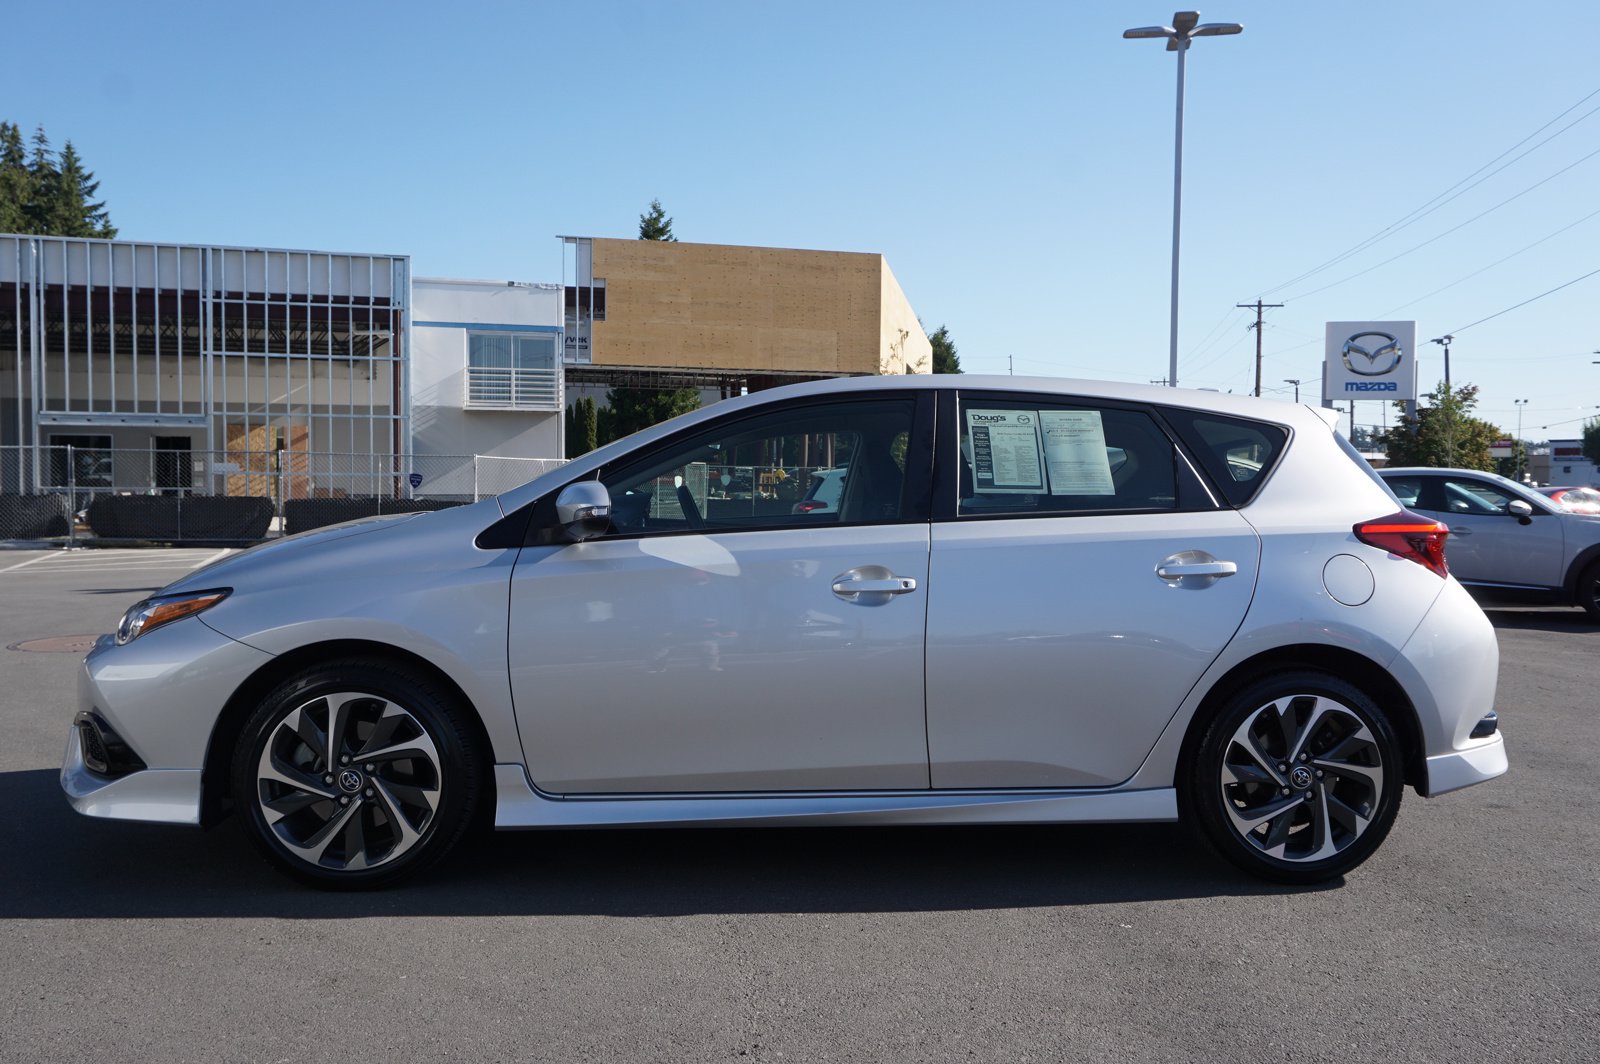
<point x="871" y="585"/>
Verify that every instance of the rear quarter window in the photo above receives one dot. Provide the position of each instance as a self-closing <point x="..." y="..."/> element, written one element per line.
<point x="1237" y="454"/>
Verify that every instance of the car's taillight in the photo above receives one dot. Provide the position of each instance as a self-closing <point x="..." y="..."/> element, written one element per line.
<point x="1412" y="536"/>
<point x="807" y="505"/>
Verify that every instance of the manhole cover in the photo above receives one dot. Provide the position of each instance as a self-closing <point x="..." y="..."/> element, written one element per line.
<point x="57" y="644"/>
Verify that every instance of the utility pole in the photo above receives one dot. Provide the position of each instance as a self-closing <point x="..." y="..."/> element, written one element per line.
<point x="1259" y="307"/>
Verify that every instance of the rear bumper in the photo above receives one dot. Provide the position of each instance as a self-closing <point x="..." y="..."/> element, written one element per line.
<point x="1482" y="761"/>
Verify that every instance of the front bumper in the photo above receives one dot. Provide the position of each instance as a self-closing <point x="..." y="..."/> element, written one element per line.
<point x="1482" y="761"/>
<point x="160" y="796"/>
<point x="154" y="704"/>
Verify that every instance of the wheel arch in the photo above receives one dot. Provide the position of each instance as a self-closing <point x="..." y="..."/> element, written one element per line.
<point x="216" y="802"/>
<point x="1345" y="664"/>
<point x="1580" y="564"/>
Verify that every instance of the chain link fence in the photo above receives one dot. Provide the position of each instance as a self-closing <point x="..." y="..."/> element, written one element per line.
<point x="71" y="495"/>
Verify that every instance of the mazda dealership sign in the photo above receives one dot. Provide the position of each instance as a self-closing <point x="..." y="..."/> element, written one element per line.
<point x="1370" y="360"/>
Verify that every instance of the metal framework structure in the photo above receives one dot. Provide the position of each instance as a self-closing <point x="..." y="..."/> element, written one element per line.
<point x="246" y="350"/>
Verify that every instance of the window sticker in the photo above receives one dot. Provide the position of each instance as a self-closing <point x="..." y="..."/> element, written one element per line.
<point x="1006" y="454"/>
<point x="1075" y="452"/>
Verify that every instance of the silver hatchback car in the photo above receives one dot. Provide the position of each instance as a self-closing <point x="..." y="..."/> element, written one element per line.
<point x="1035" y="601"/>
<point x="1507" y="540"/>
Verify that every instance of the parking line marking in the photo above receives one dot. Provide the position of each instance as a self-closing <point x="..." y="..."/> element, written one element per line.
<point x="30" y="561"/>
<point x="203" y="562"/>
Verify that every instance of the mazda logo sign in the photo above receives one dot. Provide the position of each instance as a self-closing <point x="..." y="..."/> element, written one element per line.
<point x="1367" y="359"/>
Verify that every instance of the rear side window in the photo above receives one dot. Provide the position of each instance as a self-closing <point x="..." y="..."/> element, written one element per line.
<point x="1236" y="453"/>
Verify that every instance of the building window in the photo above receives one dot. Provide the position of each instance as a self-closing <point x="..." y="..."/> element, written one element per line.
<point x="512" y="371"/>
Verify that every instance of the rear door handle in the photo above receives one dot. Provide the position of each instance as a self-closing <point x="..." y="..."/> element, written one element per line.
<point x="1460" y="531"/>
<point x="1179" y="570"/>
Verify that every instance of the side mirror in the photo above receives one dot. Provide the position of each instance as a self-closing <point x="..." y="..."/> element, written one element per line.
<point x="583" y="510"/>
<point x="1521" y="509"/>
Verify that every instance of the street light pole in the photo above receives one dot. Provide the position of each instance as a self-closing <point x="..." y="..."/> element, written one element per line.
<point x="1445" y="341"/>
<point x="1296" y="382"/>
<point x="1521" y="450"/>
<point x="1449" y="399"/>
<point x="1178" y="36"/>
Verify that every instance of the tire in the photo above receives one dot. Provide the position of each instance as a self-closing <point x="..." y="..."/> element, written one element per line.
<point x="1297" y="778"/>
<point x="402" y="785"/>
<point x="1589" y="590"/>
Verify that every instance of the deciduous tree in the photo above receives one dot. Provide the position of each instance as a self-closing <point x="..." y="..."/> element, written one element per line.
<point x="1443" y="433"/>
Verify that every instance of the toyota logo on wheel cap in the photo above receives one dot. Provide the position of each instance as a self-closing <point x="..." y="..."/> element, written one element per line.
<point x="350" y="781"/>
<point x="1381" y="359"/>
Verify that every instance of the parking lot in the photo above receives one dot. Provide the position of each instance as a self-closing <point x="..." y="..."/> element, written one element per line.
<point x="1471" y="935"/>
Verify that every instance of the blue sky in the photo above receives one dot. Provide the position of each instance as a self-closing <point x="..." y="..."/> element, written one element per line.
<point x="1012" y="160"/>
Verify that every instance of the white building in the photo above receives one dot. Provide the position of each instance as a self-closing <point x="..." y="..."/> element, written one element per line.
<point x="486" y="377"/>
<point x="1562" y="464"/>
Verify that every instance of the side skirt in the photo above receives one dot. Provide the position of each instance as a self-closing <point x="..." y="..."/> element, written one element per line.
<point x="519" y="805"/>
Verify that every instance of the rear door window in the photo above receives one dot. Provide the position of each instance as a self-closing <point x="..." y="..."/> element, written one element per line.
<point x="1026" y="456"/>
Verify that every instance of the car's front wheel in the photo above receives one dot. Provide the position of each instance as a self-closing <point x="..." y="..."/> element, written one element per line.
<point x="1298" y="778"/>
<point x="355" y="773"/>
<point x="1589" y="590"/>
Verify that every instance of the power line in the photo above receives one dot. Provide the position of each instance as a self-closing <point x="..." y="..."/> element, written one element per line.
<point x="1492" y="265"/>
<point x="1447" y="232"/>
<point x="1419" y="212"/>
<point x="1525" y="302"/>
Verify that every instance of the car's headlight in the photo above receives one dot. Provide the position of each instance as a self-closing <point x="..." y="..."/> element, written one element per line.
<point x="158" y="610"/>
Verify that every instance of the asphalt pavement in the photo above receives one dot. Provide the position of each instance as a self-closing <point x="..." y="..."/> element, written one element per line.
<point x="1472" y="935"/>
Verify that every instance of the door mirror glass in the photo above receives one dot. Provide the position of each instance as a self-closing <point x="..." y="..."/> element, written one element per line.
<point x="583" y="510"/>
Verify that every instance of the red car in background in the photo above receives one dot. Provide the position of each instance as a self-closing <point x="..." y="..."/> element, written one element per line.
<point x="1574" y="500"/>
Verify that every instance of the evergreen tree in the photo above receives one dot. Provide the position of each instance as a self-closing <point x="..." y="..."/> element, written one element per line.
<point x="582" y="424"/>
<point x="632" y="409"/>
<point x="81" y="214"/>
<point x="45" y="193"/>
<point x="40" y="207"/>
<point x="945" y="359"/>
<point x="656" y="225"/>
<point x="14" y="180"/>
<point x="1591" y="441"/>
<point x="1443" y="433"/>
<point x="588" y="425"/>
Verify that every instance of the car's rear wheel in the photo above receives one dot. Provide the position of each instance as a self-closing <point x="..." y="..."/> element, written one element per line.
<point x="1297" y="778"/>
<point x="1589" y="590"/>
<point x="355" y="773"/>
